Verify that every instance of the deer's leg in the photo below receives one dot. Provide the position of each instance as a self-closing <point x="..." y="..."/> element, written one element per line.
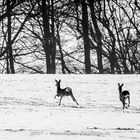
<point x="60" y="100"/>
<point x="74" y="99"/>
<point x="127" y="104"/>
<point x="123" y="105"/>
<point x="128" y="100"/>
<point x="123" y="102"/>
<point x="55" y="96"/>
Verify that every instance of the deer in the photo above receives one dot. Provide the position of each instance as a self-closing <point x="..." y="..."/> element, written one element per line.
<point x="64" y="92"/>
<point x="124" y="95"/>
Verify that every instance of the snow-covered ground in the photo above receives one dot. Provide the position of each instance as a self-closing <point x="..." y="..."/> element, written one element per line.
<point x="28" y="109"/>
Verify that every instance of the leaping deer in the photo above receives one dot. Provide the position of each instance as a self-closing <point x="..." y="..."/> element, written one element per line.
<point x="124" y="95"/>
<point x="64" y="92"/>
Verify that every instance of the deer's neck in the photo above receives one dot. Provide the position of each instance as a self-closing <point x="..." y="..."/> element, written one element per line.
<point x="58" y="88"/>
<point x="120" y="91"/>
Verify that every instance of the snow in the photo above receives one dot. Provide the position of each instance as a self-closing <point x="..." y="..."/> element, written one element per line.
<point x="29" y="111"/>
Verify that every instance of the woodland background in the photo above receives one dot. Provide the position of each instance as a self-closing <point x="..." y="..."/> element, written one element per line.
<point x="70" y="36"/>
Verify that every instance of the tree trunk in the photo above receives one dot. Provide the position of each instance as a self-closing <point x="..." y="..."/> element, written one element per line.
<point x="86" y="37"/>
<point x="49" y="41"/>
<point x="98" y="38"/>
<point x="53" y="42"/>
<point x="46" y="37"/>
<point x="10" y="50"/>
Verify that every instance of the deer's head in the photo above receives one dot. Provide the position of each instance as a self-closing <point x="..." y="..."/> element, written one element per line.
<point x="58" y="83"/>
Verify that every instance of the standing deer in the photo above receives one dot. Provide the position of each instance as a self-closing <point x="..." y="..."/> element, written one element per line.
<point x="64" y="92"/>
<point x="124" y="95"/>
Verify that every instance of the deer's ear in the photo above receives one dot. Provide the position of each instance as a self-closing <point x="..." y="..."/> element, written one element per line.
<point x="59" y="80"/>
<point x="56" y="80"/>
<point x="118" y="84"/>
<point x="122" y="84"/>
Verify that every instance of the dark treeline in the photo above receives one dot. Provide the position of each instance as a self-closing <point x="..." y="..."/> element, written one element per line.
<point x="70" y="36"/>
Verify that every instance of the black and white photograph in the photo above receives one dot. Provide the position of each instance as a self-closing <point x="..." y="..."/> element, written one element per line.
<point x="69" y="69"/>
